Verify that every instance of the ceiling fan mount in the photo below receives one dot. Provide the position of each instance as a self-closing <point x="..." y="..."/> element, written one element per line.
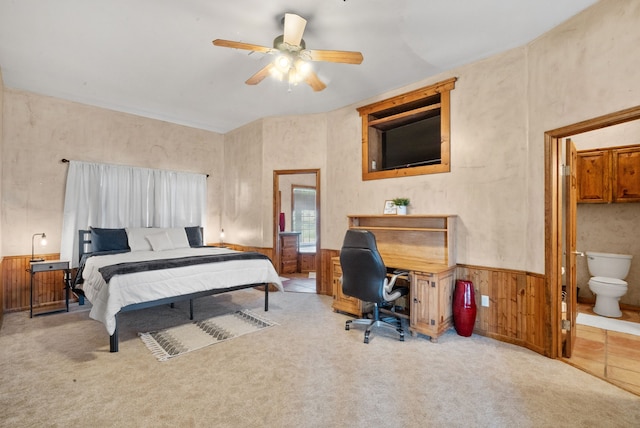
<point x="292" y="59"/>
<point x="281" y="45"/>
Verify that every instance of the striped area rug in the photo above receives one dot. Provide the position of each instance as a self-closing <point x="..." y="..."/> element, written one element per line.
<point x="179" y="340"/>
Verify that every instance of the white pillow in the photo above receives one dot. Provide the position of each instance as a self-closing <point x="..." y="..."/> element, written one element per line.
<point x="160" y="241"/>
<point x="138" y="241"/>
<point x="178" y="236"/>
<point x="137" y="238"/>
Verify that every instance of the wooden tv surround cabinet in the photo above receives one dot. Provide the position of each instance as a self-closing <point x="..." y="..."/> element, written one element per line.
<point x="424" y="245"/>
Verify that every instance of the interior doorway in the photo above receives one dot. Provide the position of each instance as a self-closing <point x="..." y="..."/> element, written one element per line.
<point x="556" y="228"/>
<point x="296" y="228"/>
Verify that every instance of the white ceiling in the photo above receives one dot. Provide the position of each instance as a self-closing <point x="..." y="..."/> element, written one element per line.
<point x="154" y="58"/>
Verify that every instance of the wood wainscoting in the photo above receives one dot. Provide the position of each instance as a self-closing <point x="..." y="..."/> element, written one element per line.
<point x="48" y="286"/>
<point x="266" y="251"/>
<point x="516" y="311"/>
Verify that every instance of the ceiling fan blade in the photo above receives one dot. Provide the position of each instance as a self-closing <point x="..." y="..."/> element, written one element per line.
<point x="260" y="75"/>
<point x="336" y="56"/>
<point x="314" y="81"/>
<point x="240" y="45"/>
<point x="293" y="28"/>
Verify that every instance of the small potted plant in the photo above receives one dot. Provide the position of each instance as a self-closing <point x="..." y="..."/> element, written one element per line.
<point x="401" y="205"/>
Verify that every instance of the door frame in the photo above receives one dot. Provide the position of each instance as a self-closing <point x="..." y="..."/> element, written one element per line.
<point x="276" y="218"/>
<point x="554" y="214"/>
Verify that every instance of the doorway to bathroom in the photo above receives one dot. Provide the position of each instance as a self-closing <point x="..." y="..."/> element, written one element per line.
<point x="561" y="226"/>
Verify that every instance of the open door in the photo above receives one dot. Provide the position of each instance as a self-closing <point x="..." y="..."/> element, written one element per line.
<point x="571" y="295"/>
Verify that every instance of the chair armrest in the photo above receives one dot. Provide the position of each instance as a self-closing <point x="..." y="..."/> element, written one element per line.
<point x="389" y="292"/>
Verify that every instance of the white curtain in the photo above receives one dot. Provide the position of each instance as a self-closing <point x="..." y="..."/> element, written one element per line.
<point x="115" y="196"/>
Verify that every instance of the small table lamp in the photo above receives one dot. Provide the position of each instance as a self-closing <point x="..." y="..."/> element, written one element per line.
<point x="43" y="241"/>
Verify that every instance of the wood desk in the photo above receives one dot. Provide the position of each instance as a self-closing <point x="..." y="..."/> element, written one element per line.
<point x="423" y="245"/>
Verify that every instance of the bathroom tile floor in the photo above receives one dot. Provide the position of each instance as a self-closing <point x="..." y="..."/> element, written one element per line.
<point x="610" y="355"/>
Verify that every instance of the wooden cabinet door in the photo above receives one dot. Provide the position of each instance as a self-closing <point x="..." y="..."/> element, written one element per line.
<point x="431" y="303"/>
<point x="424" y="301"/>
<point x="594" y="177"/>
<point x="626" y="175"/>
<point x="342" y="302"/>
<point x="446" y="287"/>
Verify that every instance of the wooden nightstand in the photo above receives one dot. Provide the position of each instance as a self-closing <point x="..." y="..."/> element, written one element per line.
<point x="49" y="266"/>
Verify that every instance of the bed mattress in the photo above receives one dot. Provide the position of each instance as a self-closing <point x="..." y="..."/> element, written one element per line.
<point x="108" y="299"/>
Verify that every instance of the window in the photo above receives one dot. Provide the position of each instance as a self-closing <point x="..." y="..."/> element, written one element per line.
<point x="303" y="201"/>
<point x="407" y="134"/>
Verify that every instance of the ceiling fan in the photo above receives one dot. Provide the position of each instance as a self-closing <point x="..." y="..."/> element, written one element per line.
<point x="292" y="59"/>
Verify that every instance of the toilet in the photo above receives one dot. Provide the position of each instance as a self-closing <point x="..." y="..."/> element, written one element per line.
<point x="608" y="272"/>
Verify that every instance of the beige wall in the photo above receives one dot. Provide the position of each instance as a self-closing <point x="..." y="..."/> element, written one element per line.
<point x="39" y="131"/>
<point x="582" y="69"/>
<point x="486" y="187"/>
<point x="501" y="108"/>
<point x="252" y="153"/>
<point x="243" y="214"/>
<point x="1" y="155"/>
<point x="292" y="142"/>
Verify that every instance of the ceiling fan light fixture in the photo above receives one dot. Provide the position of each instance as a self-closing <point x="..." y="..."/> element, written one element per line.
<point x="283" y="63"/>
<point x="293" y="77"/>
<point x="276" y="74"/>
<point x="302" y="67"/>
<point x="292" y="61"/>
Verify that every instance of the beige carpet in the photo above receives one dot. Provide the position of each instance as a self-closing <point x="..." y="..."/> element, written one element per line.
<point x="309" y="372"/>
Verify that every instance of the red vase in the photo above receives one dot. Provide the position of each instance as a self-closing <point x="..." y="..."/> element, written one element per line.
<point x="464" y="308"/>
<point x="281" y="222"/>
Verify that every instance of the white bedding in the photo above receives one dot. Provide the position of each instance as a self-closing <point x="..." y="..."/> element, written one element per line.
<point x="123" y="290"/>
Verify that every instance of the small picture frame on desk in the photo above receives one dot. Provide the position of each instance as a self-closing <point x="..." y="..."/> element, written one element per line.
<point x="390" y="208"/>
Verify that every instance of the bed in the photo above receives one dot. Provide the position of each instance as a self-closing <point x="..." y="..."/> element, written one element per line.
<point x="134" y="268"/>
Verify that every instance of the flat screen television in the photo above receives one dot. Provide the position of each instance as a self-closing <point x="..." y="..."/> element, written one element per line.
<point x="414" y="144"/>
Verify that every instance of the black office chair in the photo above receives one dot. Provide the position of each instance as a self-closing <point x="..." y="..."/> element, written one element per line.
<point x="364" y="276"/>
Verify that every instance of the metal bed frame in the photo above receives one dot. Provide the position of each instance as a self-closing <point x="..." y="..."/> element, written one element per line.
<point x="84" y="243"/>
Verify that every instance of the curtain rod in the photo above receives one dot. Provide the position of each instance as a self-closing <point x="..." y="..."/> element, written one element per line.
<point x="63" y="160"/>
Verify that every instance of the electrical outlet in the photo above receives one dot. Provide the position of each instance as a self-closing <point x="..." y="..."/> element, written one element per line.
<point x="485" y="301"/>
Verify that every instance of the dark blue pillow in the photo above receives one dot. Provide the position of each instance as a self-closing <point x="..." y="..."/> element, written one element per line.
<point x="194" y="235"/>
<point x="108" y="239"/>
